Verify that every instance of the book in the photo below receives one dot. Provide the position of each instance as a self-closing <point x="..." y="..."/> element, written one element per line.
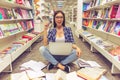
<point x="117" y="28"/>
<point x="91" y="73"/>
<point x="83" y="63"/>
<point x="115" y="51"/>
<point x="61" y="75"/>
<point x="2" y="13"/>
<point x="118" y="12"/>
<point x="19" y="76"/>
<point x="113" y="11"/>
<point x="9" y="14"/>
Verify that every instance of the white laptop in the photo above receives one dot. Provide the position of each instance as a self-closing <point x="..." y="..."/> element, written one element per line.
<point x="60" y="48"/>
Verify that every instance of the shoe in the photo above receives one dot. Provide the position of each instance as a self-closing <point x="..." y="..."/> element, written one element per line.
<point x="50" y="66"/>
<point x="67" y="69"/>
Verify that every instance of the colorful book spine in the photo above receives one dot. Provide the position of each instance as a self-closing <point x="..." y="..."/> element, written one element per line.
<point x="118" y="12"/>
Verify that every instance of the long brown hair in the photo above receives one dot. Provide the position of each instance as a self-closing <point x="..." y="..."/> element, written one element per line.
<point x="55" y="13"/>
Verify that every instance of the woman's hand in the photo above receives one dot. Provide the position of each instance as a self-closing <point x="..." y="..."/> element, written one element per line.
<point x="78" y="52"/>
<point x="46" y="26"/>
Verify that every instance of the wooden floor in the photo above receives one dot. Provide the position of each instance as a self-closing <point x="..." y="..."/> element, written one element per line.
<point x="86" y="55"/>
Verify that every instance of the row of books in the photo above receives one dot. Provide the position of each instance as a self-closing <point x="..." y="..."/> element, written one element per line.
<point x="111" y="12"/>
<point x="13" y="28"/>
<point x="17" y="13"/>
<point x="111" y="48"/>
<point x="27" y="3"/>
<point x="94" y="3"/>
<point x="107" y="26"/>
<point x="17" y="44"/>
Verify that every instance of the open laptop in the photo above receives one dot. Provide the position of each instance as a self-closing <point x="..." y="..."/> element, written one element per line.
<point x="60" y="48"/>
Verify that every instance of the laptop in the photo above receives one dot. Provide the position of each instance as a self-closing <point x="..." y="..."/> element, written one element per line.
<point x="60" y="48"/>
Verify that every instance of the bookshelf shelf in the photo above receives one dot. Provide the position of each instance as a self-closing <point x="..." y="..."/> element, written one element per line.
<point x="14" y="31"/>
<point x="13" y="20"/>
<point x="106" y="19"/>
<point x="98" y="7"/>
<point x="13" y="5"/>
<point x="110" y="3"/>
<point x="103" y="27"/>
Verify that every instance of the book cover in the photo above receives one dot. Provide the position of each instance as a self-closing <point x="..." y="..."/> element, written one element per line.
<point x="117" y="28"/>
<point x="90" y="23"/>
<point x="2" y="13"/>
<point x="118" y="12"/>
<point x="94" y="24"/>
<point x="113" y="11"/>
<point x="91" y="73"/>
<point x="81" y="63"/>
<point x="19" y="76"/>
<point x="9" y="14"/>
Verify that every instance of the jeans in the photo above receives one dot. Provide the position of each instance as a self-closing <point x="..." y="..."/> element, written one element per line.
<point x="55" y="59"/>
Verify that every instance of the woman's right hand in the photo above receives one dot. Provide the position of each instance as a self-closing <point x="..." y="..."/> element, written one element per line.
<point x="46" y="26"/>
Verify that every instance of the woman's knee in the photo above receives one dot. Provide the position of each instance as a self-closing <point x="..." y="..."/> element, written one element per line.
<point x="42" y="49"/>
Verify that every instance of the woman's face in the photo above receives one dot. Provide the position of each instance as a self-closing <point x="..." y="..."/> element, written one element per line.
<point x="59" y="19"/>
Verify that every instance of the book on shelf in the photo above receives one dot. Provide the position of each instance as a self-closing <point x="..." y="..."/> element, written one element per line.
<point x="24" y="25"/>
<point x="118" y="12"/>
<point x="91" y="73"/>
<point x="85" y="22"/>
<point x="2" y="13"/>
<point x="113" y="11"/>
<point x="90" y="23"/>
<point x="106" y="13"/>
<point x="85" y="6"/>
<point x="86" y="14"/>
<point x="9" y="14"/>
<point x="117" y="28"/>
<point x="101" y="27"/>
<point x="95" y="22"/>
<point x="115" y="51"/>
<point x="27" y="3"/>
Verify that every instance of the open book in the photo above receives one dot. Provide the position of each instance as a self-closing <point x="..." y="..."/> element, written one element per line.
<point x="19" y="76"/>
<point x="61" y="75"/>
<point x="82" y="63"/>
<point x="91" y="73"/>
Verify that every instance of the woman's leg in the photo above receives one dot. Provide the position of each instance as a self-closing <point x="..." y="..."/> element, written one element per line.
<point x="72" y="57"/>
<point x="47" y="55"/>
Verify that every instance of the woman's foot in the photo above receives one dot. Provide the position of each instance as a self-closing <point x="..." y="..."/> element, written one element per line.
<point x="65" y="68"/>
<point x="50" y="66"/>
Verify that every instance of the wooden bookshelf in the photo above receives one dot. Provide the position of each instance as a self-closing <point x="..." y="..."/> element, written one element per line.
<point x="7" y="41"/>
<point x="109" y="37"/>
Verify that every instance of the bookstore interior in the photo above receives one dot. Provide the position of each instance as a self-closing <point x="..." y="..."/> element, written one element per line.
<point x="95" y="26"/>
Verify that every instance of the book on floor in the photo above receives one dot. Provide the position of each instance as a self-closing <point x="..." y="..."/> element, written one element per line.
<point x="91" y="73"/>
<point x="19" y="76"/>
<point x="61" y="75"/>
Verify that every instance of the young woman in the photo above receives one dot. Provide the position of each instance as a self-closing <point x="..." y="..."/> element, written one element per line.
<point x="59" y="33"/>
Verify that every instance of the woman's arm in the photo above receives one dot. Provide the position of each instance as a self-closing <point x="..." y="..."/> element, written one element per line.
<point x="77" y="49"/>
<point x="45" y="40"/>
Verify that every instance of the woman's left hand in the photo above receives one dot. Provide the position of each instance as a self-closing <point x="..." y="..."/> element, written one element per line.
<point x="78" y="52"/>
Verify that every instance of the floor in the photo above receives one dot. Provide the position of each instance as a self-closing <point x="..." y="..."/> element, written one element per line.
<point x="86" y="55"/>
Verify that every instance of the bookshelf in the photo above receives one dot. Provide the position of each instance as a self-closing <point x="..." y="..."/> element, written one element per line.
<point x="100" y="25"/>
<point x="17" y="35"/>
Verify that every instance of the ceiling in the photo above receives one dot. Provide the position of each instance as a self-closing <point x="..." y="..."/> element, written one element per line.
<point x="64" y="5"/>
